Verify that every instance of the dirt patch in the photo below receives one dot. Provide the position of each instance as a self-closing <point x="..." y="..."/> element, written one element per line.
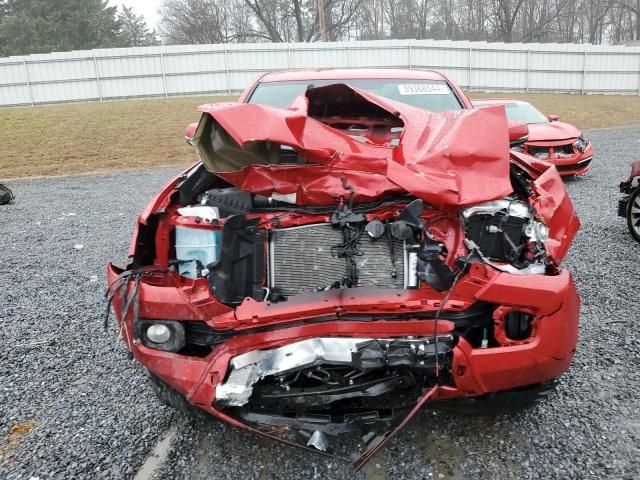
<point x="91" y="137"/>
<point x="467" y="439"/>
<point x="13" y="440"/>
<point x="375" y="469"/>
<point x="443" y="453"/>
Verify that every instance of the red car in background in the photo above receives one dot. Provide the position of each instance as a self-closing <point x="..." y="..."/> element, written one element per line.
<point x="549" y="139"/>
<point x="351" y="245"/>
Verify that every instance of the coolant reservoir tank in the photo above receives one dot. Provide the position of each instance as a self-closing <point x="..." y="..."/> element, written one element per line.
<point x="205" y="212"/>
<point x="197" y="247"/>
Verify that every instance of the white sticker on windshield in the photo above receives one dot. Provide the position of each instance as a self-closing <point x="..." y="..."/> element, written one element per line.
<point x="423" y="89"/>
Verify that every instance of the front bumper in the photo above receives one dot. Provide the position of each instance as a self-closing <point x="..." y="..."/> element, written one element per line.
<point x="572" y="166"/>
<point x="575" y="165"/>
<point x="475" y="371"/>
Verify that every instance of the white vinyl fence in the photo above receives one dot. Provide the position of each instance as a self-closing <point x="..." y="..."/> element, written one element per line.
<point x="217" y="69"/>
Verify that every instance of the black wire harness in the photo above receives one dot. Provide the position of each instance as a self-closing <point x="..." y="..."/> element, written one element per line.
<point x="120" y="286"/>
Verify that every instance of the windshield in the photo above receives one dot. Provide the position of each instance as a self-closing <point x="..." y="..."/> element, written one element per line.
<point x="522" y="112"/>
<point x="432" y="95"/>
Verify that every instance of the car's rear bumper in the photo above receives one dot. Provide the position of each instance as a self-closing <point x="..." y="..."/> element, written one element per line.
<point x="475" y="371"/>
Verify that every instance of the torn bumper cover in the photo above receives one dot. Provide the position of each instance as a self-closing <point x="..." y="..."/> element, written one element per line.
<point x="329" y="286"/>
<point x="475" y="370"/>
<point x="360" y="354"/>
<point x="212" y="383"/>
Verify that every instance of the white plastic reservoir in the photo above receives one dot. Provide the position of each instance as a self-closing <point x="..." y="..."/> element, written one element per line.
<point x="208" y="214"/>
<point x="196" y="244"/>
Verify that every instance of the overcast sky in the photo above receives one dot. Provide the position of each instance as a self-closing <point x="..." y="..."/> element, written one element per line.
<point x="148" y="8"/>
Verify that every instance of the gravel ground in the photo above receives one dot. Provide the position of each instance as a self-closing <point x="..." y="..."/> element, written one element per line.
<point x="74" y="405"/>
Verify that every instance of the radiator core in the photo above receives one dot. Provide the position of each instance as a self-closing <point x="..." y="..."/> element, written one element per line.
<point x="301" y="260"/>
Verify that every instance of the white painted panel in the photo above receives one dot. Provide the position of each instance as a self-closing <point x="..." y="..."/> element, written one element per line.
<point x="498" y="60"/>
<point x="132" y="87"/>
<point x="134" y="72"/>
<point x="556" y="61"/>
<point x="320" y="58"/>
<point x="129" y="66"/>
<point x="256" y="59"/>
<point x="195" y="83"/>
<point x="12" y="73"/>
<point x="439" y="58"/>
<point x="60" y="70"/>
<point x="555" y="81"/>
<point x="601" y="81"/>
<point x="498" y="79"/>
<point x="199" y="62"/>
<point x="65" y="92"/>
<point x="379" y="57"/>
<point x="613" y="63"/>
<point x="14" y="95"/>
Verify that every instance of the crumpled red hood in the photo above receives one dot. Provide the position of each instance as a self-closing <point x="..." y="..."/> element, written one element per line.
<point x="553" y="131"/>
<point x="447" y="159"/>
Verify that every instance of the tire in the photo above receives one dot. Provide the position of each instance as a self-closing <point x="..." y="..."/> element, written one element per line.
<point x="498" y="403"/>
<point x="174" y="399"/>
<point x="633" y="214"/>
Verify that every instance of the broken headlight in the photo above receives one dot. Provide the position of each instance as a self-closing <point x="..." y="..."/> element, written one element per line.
<point x="507" y="232"/>
<point x="581" y="144"/>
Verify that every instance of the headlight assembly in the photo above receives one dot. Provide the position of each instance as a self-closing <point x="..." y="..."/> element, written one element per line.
<point x="581" y="144"/>
<point x="167" y="335"/>
<point x="506" y="235"/>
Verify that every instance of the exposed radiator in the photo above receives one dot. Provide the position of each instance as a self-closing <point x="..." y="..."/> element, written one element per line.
<point x="301" y="260"/>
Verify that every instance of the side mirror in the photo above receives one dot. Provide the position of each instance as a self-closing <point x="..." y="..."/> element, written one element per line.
<point x="190" y="133"/>
<point x="518" y="133"/>
<point x="553" y="118"/>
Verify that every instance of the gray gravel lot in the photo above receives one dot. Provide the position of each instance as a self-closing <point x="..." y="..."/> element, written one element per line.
<point x="73" y="405"/>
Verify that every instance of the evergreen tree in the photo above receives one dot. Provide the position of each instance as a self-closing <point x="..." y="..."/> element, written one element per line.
<point x="134" y="31"/>
<point x="42" y="26"/>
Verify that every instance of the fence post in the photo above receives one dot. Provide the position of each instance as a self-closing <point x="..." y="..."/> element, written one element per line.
<point x="470" y="68"/>
<point x="348" y="56"/>
<point x="226" y="70"/>
<point x="164" y="75"/>
<point x="289" y="58"/>
<point x="526" y="79"/>
<point x="26" y="72"/>
<point x="584" y="72"/>
<point x="410" y="56"/>
<point x="95" y="68"/>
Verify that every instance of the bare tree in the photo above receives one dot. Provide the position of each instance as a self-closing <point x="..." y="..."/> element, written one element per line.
<point x="504" y="14"/>
<point x="217" y="21"/>
<point x="341" y="14"/>
<point x="322" y="21"/>
<point x="195" y="21"/>
<point x="632" y="8"/>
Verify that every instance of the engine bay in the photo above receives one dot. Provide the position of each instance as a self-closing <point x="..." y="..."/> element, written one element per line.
<point x="270" y="249"/>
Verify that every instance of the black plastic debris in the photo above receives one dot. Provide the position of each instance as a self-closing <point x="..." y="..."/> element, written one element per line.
<point x="6" y="195"/>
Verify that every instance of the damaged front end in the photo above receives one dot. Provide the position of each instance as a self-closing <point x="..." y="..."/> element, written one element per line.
<point x="330" y="268"/>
